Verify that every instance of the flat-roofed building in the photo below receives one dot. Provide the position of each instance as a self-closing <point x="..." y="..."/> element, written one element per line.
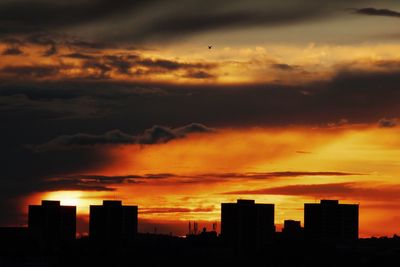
<point x="113" y="221"/>
<point x="51" y="222"/>
<point x="331" y="221"/>
<point x="247" y="225"/>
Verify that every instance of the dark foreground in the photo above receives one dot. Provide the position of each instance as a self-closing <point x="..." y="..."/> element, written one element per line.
<point x="163" y="250"/>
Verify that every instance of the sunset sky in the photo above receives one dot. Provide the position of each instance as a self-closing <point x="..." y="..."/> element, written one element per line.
<point x="296" y="101"/>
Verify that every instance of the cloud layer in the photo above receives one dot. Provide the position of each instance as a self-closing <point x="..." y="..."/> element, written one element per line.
<point x="145" y="20"/>
<point x="353" y="191"/>
<point x="378" y="12"/>
<point x="107" y="183"/>
<point x="155" y="135"/>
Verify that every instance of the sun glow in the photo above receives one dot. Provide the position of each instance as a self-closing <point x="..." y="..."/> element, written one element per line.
<point x="82" y="200"/>
<point x="67" y="198"/>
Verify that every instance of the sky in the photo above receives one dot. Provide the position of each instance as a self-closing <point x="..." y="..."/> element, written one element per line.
<point x="296" y="101"/>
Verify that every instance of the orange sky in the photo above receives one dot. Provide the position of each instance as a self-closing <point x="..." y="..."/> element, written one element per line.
<point x="358" y="163"/>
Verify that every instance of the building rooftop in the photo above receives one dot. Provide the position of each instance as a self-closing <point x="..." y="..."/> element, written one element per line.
<point x="329" y="202"/>
<point x="114" y="203"/>
<point x="51" y="203"/>
<point x="245" y="201"/>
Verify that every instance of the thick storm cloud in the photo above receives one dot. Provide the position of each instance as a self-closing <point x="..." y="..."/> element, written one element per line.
<point x="135" y="20"/>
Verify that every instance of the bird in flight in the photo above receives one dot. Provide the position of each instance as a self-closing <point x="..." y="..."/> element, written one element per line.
<point x="210" y="46"/>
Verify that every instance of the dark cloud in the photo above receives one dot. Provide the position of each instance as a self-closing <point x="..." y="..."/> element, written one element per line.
<point x="81" y="139"/>
<point x="199" y="75"/>
<point x="159" y="134"/>
<point x="358" y="191"/>
<point x="358" y="96"/>
<point x="107" y="183"/>
<point x="268" y="175"/>
<point x="303" y="152"/>
<point x="122" y="178"/>
<point x="387" y="123"/>
<point x="192" y="128"/>
<point x="78" y="56"/>
<point x="51" y="51"/>
<point x="208" y="178"/>
<point x="160" y="63"/>
<point x="29" y="16"/>
<point x="73" y="185"/>
<point x="377" y="12"/>
<point x="102" y="66"/>
<point x="285" y="67"/>
<point x="30" y="72"/>
<point x="155" y="135"/>
<point x="302" y="190"/>
<point x="80" y="44"/>
<point x="51" y="42"/>
<point x="195" y="18"/>
<point x="175" y="19"/>
<point x="96" y="182"/>
<point x="174" y="210"/>
<point x="172" y="65"/>
<point x="105" y="64"/>
<point x="122" y="64"/>
<point x="44" y="39"/>
<point x="12" y="51"/>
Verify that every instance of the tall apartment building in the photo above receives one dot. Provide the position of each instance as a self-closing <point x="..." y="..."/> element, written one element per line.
<point x="247" y="225"/>
<point x="331" y="221"/>
<point x="51" y="222"/>
<point x="113" y="221"/>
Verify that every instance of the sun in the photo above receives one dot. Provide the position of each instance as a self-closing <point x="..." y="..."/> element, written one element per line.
<point x="67" y="198"/>
<point x="81" y="199"/>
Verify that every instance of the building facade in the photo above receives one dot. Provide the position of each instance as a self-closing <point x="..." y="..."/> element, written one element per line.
<point x="113" y="221"/>
<point x="331" y="221"/>
<point x="51" y="222"/>
<point x="246" y="224"/>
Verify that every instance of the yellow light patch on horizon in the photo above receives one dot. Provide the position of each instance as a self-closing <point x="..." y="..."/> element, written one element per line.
<point x="81" y="199"/>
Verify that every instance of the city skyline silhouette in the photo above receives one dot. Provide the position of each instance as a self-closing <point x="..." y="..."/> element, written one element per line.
<point x="114" y="220"/>
<point x="247" y="235"/>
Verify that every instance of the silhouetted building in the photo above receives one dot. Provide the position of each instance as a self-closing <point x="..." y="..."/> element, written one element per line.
<point x="113" y="221"/>
<point x="330" y="221"/>
<point x="292" y="230"/>
<point x="247" y="225"/>
<point x="51" y="222"/>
